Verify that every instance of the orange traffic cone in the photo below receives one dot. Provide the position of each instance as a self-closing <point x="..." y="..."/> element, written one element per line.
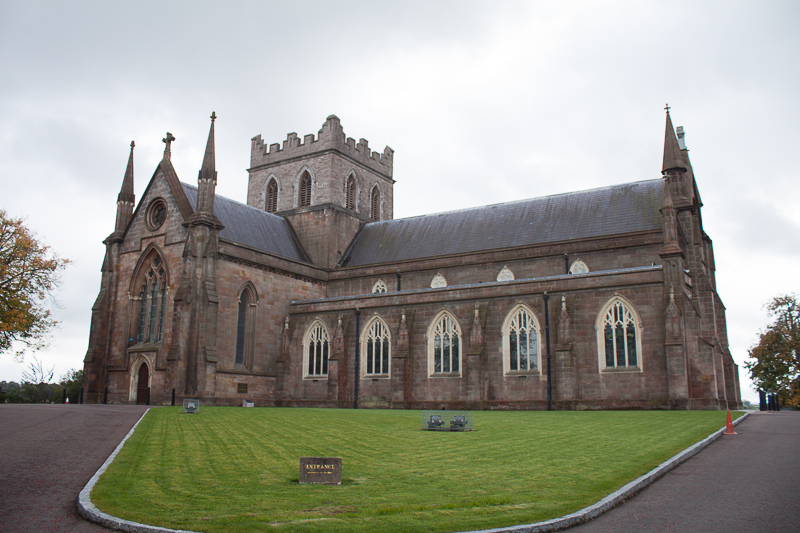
<point x="729" y="426"/>
<point x="67" y="400"/>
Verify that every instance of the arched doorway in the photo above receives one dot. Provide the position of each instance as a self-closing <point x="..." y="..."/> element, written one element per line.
<point x="144" y="380"/>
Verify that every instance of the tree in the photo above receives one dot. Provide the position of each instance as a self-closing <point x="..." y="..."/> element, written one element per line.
<point x="774" y="363"/>
<point x="28" y="274"/>
<point x="36" y="386"/>
<point x="72" y="381"/>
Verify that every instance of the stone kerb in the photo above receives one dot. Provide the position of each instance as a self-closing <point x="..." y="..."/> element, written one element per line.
<point x="330" y="137"/>
<point x="88" y="510"/>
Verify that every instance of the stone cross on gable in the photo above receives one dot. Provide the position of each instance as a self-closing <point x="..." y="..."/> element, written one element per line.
<point x="167" y="140"/>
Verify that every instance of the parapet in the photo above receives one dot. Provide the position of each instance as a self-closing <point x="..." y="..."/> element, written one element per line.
<point x="330" y="137"/>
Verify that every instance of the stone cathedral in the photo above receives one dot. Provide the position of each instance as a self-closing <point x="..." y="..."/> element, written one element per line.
<point x="312" y="294"/>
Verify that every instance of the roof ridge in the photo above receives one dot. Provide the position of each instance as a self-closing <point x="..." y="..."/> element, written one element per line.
<point x="463" y="209"/>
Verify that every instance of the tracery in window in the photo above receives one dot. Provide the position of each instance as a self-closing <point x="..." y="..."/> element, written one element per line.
<point x="376" y="349"/>
<point x="578" y="267"/>
<point x="444" y="345"/>
<point x="379" y="287"/>
<point x="316" y="347"/>
<point x="521" y="341"/>
<point x="619" y="336"/>
<point x="272" y="196"/>
<point x="305" y="189"/>
<point x="505" y="274"/>
<point x="350" y="193"/>
<point x="375" y="203"/>
<point x="438" y="281"/>
<point x="152" y="301"/>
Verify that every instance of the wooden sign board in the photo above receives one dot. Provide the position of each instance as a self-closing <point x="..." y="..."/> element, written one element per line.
<point x="321" y="470"/>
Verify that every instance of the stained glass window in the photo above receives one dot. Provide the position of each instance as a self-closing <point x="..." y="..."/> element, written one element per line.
<point x="316" y="351"/>
<point x="522" y="341"/>
<point x="620" y="336"/>
<point x="446" y="346"/>
<point x="377" y="348"/>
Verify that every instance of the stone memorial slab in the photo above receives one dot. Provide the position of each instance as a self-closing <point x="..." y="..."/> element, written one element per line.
<point x="447" y="421"/>
<point x="191" y="406"/>
<point x="321" y="470"/>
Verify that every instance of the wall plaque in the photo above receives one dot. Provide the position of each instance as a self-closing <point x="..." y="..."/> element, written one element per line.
<point x="241" y="388"/>
<point x="321" y="470"/>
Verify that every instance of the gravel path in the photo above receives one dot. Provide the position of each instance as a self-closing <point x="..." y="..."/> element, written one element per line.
<point x="48" y="453"/>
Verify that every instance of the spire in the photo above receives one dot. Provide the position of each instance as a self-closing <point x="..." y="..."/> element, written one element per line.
<point x="125" y="201"/>
<point x="126" y="193"/>
<point x="207" y="177"/>
<point x="673" y="160"/>
<point x="208" y="170"/>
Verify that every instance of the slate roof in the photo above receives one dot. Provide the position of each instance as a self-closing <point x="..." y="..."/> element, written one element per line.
<point x="619" y="209"/>
<point x="253" y="227"/>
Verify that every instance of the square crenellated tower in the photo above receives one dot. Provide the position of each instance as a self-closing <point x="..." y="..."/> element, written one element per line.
<point x="327" y="187"/>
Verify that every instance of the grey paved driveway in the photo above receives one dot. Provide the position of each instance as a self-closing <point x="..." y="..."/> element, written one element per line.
<point x="47" y="454"/>
<point x="748" y="482"/>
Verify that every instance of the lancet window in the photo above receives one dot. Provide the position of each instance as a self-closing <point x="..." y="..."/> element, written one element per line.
<point x="245" y="325"/>
<point x="305" y="190"/>
<point x="272" y="196"/>
<point x="350" y="193"/>
<point x="375" y="204"/>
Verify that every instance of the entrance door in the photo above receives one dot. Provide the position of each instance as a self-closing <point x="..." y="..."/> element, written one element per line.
<point x="144" y="379"/>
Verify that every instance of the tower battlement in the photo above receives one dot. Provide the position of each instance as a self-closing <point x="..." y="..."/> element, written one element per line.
<point x="330" y="137"/>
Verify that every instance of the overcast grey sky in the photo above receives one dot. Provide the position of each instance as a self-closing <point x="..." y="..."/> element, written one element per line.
<point x="483" y="102"/>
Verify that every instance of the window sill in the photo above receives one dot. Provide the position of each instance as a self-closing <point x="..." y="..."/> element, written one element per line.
<point x="620" y="370"/>
<point x="446" y="375"/>
<point x="145" y="347"/>
<point x="376" y="376"/>
<point x="316" y="378"/>
<point x="513" y="373"/>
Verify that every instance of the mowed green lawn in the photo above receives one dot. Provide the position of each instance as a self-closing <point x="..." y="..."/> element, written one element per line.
<point x="229" y="469"/>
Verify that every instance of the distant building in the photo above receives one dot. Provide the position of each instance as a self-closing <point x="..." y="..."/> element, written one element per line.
<point x="312" y="295"/>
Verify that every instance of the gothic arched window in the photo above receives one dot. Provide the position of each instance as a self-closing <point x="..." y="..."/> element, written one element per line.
<point x="521" y="341"/>
<point x="444" y="346"/>
<point x="619" y="336"/>
<point x="350" y="193"/>
<point x="376" y="349"/>
<point x="272" y="196"/>
<point x="578" y="267"/>
<point x="246" y="325"/>
<point x="375" y="204"/>
<point x="305" y="190"/>
<point x="152" y="301"/>
<point x="379" y="287"/>
<point x="316" y="347"/>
